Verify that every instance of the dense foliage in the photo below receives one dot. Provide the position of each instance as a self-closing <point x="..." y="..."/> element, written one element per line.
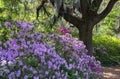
<point x="28" y="54"/>
<point x="107" y="50"/>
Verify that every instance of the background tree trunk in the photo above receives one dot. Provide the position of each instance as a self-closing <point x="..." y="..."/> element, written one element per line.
<point x="85" y="35"/>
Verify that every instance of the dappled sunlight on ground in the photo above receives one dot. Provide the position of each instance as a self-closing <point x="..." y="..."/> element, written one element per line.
<point x="111" y="73"/>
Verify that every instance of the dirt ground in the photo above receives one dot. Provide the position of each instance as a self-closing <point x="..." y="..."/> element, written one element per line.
<point x="111" y="72"/>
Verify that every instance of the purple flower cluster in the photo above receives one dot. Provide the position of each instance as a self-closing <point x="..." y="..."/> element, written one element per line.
<point x="8" y="24"/>
<point x="25" y="25"/>
<point x="29" y="54"/>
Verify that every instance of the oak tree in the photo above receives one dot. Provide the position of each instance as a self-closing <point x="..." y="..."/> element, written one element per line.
<point x="83" y="14"/>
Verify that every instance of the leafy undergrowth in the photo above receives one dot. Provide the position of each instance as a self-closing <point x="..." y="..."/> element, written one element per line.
<point x="107" y="50"/>
<point x="27" y="54"/>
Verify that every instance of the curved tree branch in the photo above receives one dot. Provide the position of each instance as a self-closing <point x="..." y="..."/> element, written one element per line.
<point x="67" y="14"/>
<point x="39" y="7"/>
<point x="72" y="19"/>
<point x="46" y="11"/>
<point x="106" y="11"/>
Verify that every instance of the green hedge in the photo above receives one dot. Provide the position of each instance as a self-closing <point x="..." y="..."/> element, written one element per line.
<point x="107" y="49"/>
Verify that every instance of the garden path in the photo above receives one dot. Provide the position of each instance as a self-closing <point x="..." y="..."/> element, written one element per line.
<point x="111" y="72"/>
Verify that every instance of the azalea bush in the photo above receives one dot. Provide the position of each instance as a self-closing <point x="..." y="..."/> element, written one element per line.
<point x="28" y="54"/>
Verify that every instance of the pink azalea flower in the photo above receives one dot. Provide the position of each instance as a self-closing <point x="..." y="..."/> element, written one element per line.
<point x="63" y="30"/>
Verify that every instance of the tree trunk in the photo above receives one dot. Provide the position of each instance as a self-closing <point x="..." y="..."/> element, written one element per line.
<point x="85" y="35"/>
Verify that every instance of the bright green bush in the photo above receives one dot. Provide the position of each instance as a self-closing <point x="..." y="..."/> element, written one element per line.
<point x="107" y="49"/>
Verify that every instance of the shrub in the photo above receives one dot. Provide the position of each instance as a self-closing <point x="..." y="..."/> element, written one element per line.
<point x="107" y="49"/>
<point x="33" y="55"/>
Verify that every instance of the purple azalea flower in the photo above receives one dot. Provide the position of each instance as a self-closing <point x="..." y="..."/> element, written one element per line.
<point x="18" y="73"/>
<point x="3" y="62"/>
<point x="8" y="24"/>
<point x="0" y="25"/>
<point x="24" y="25"/>
<point x="35" y="77"/>
<point x="46" y="72"/>
<point x="25" y="77"/>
